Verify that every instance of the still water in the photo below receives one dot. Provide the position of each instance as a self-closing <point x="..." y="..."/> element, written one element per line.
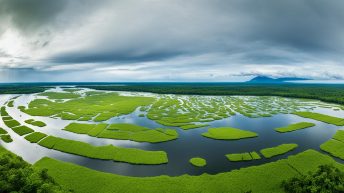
<point x="189" y="144"/>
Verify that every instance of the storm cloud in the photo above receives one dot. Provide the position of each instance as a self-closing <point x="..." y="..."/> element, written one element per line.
<point x="151" y="40"/>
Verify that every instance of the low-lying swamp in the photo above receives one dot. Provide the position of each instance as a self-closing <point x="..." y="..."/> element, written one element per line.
<point x="196" y="114"/>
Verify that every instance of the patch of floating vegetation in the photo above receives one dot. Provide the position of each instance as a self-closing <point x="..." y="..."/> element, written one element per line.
<point x="294" y="127"/>
<point x="22" y="130"/>
<point x="89" y="93"/>
<point x="198" y="162"/>
<point x="110" y="152"/>
<point x="228" y="133"/>
<point x="35" y="137"/>
<point x="335" y="146"/>
<point x="10" y="103"/>
<point x="247" y="156"/>
<point x="60" y="95"/>
<point x="321" y="117"/>
<point x="98" y="107"/>
<point x="35" y="123"/>
<point x="262" y="178"/>
<point x="278" y="150"/>
<point x="124" y="131"/>
<point x="181" y="111"/>
<point x="193" y="126"/>
<point x="72" y="89"/>
<point x="2" y="131"/>
<point x="13" y="124"/>
<point x="6" y="138"/>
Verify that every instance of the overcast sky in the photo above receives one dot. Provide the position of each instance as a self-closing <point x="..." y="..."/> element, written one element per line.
<point x="170" y="40"/>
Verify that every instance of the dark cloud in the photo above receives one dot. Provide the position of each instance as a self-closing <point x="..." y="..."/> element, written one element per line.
<point x="309" y="26"/>
<point x="30" y="15"/>
<point x="209" y="35"/>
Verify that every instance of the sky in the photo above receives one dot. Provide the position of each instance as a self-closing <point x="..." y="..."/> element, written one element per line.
<point x="170" y="40"/>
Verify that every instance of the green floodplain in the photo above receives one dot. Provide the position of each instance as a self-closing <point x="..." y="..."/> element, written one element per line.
<point x="88" y="112"/>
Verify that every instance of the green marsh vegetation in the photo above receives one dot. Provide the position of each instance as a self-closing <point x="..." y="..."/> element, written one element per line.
<point x="190" y="112"/>
<point x="321" y="117"/>
<point x="294" y="127"/>
<point x="6" y="138"/>
<point x="109" y="152"/>
<point x="2" y="131"/>
<point x="98" y="107"/>
<point x="335" y="146"/>
<point x="198" y="162"/>
<point x="228" y="133"/>
<point x="22" y="130"/>
<point x="278" y="150"/>
<point x="35" y="137"/>
<point x="59" y="95"/>
<point x="35" y="123"/>
<point x="255" y="179"/>
<point x="13" y="124"/>
<point x="130" y="155"/>
<point x="247" y="156"/>
<point x="124" y="131"/>
<point x="10" y="103"/>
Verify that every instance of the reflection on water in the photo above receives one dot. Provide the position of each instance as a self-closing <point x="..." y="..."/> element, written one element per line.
<point x="189" y="144"/>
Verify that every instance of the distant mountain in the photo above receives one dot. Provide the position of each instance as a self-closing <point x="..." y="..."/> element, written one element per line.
<point x="265" y="79"/>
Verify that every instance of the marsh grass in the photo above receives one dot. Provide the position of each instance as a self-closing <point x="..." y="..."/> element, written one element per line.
<point x="278" y="150"/>
<point x="228" y="133"/>
<point x="198" y="162"/>
<point x="35" y="123"/>
<point x="6" y="138"/>
<point x="109" y="152"/>
<point x="321" y="117"/>
<point x="294" y="127"/>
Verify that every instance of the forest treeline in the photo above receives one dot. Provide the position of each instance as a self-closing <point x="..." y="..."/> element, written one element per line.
<point x="327" y="93"/>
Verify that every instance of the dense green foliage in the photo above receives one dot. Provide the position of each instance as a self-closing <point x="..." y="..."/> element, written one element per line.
<point x="35" y="123"/>
<point x="228" y="133"/>
<point x="324" y="92"/>
<point x="124" y="131"/>
<point x="109" y="152"/>
<point x="198" y="161"/>
<point x="327" y="93"/>
<point x="18" y="176"/>
<point x="294" y="127"/>
<point x="327" y="179"/>
<point x="278" y="150"/>
<point x="266" y="178"/>
<point x="21" y="88"/>
<point x="321" y="117"/>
